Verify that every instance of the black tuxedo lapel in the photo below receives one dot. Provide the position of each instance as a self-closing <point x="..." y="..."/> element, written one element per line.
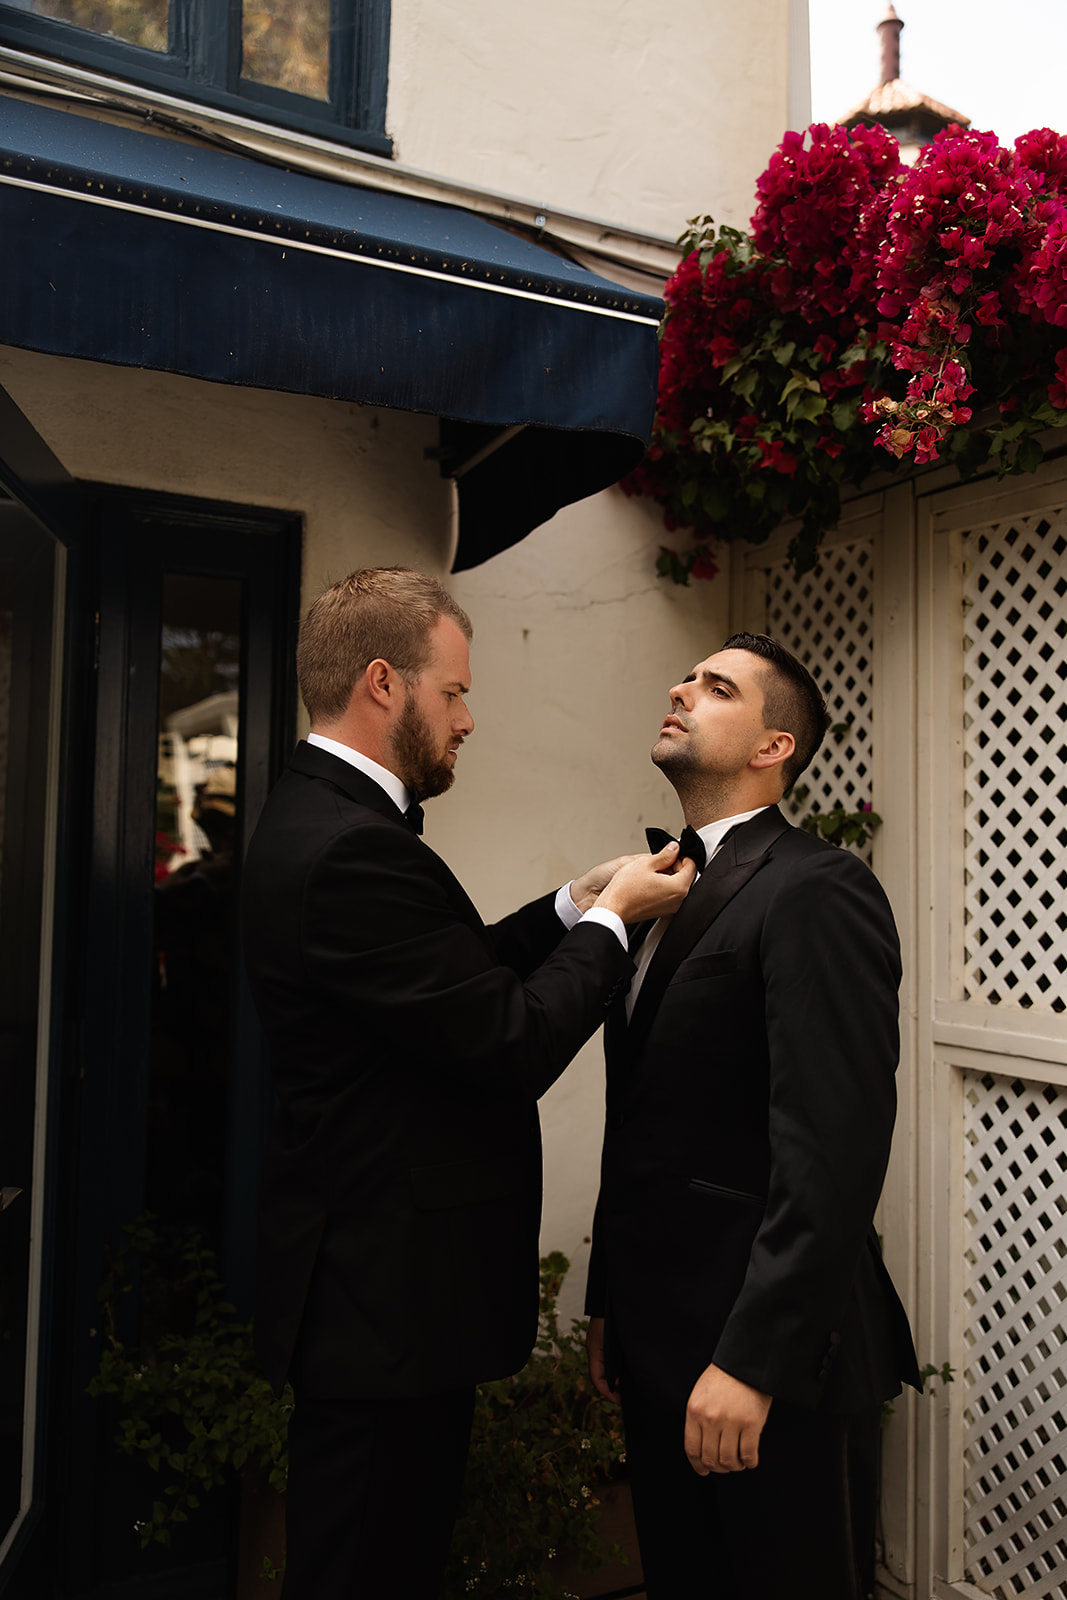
<point x="742" y="854"/>
<point x="313" y="762"/>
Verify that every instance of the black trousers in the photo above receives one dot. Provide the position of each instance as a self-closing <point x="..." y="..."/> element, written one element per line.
<point x="373" y="1490"/>
<point x="800" y="1526"/>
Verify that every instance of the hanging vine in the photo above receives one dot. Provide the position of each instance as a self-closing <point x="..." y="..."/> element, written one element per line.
<point x="871" y="309"/>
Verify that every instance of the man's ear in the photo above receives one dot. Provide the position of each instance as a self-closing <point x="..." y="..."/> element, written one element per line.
<point x="776" y="748"/>
<point x="381" y="684"/>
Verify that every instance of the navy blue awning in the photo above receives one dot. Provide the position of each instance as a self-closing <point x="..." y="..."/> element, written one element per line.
<point x="127" y="247"/>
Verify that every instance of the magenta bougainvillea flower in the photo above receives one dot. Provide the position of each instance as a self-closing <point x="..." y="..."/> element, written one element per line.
<point x="872" y="308"/>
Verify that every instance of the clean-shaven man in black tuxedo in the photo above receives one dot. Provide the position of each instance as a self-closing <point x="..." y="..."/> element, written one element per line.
<point x="409" y="1043"/>
<point x="738" y="1301"/>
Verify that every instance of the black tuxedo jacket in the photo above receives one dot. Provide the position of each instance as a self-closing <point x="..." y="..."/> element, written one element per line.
<point x="402" y="1183"/>
<point x="750" y="1106"/>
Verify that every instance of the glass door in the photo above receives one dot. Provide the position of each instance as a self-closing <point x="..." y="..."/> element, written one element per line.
<point x="193" y="718"/>
<point x="30" y="629"/>
<point x="194" y="945"/>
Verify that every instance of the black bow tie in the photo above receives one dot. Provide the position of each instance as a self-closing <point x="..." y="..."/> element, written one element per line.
<point x="691" y="845"/>
<point x="413" y="815"/>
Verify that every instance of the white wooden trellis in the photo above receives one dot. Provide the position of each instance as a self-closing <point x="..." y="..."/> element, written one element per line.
<point x="1015" y="1377"/>
<point x="991" y="723"/>
<point x="826" y="619"/>
<point x="1015" y="760"/>
<point x="1014" y="955"/>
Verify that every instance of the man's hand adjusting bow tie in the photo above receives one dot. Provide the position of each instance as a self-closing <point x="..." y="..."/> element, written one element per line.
<point x="690" y="845"/>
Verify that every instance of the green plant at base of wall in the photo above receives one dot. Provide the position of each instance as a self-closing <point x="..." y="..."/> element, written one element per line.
<point x="191" y="1404"/>
<point x="543" y="1443"/>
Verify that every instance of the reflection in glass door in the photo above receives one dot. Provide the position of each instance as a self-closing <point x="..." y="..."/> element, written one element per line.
<point x="194" y="921"/>
<point x="28" y="563"/>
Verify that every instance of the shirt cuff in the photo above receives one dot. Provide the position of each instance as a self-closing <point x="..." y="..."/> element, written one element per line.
<point x="570" y="916"/>
<point x="607" y="919"/>
<point x="566" y="910"/>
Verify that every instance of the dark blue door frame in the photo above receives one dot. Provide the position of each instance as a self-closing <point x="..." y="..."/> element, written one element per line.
<point x="118" y="543"/>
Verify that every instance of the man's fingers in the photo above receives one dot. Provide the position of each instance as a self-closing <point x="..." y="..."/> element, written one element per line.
<point x="694" y="1445"/>
<point x="594" y="1349"/>
<point x="713" y="1449"/>
<point x="664" y="859"/>
<point x="603" y="1387"/>
<point x="748" y="1449"/>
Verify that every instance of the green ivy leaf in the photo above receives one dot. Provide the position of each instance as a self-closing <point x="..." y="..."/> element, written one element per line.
<point x="1029" y="455"/>
<point x="745" y="385"/>
<point x="843" y="414"/>
<point x="811" y="406"/>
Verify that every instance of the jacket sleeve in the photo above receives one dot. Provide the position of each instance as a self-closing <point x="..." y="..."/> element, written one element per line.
<point x="528" y="936"/>
<point x="382" y="939"/>
<point x="831" y="967"/>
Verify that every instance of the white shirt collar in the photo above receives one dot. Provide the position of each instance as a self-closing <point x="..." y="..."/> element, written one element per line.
<point x="385" y="779"/>
<point x="713" y="833"/>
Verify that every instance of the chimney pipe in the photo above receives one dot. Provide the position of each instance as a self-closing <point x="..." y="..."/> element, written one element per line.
<point x="889" y="28"/>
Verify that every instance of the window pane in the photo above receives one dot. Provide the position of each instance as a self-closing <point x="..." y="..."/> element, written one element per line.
<point x="195" y="894"/>
<point x="142" y="22"/>
<point x="286" y="43"/>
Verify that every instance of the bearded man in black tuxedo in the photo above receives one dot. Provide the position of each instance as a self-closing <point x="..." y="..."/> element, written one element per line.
<point x="409" y="1043"/>
<point x="738" y="1299"/>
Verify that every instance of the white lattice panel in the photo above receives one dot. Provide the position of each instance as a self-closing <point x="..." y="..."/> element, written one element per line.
<point x="1015" y="1377"/>
<point x="1015" y="763"/>
<point x="825" y="618"/>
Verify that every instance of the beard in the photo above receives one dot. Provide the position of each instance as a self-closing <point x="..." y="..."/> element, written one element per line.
<point x="421" y="766"/>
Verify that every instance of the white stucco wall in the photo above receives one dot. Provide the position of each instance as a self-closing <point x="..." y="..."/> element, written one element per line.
<point x="355" y="473"/>
<point x="635" y="111"/>
<point x="576" y="643"/>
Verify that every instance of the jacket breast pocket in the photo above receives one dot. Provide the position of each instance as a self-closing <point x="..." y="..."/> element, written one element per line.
<point x="713" y="964"/>
<point x="718" y="1191"/>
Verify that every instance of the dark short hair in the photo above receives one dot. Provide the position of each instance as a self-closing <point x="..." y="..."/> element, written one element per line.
<point x="378" y="612"/>
<point x="791" y="700"/>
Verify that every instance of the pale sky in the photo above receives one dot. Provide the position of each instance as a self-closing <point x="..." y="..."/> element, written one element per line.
<point x="1003" y="63"/>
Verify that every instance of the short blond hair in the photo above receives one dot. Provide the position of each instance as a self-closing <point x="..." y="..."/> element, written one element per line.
<point x="385" y="613"/>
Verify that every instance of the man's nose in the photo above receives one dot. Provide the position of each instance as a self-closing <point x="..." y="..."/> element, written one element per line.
<point x="466" y="723"/>
<point x="677" y="695"/>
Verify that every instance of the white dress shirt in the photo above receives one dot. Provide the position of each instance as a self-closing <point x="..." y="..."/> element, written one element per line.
<point x="385" y="779"/>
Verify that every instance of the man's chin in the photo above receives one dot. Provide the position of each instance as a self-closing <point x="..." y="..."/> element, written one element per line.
<point x="429" y="784"/>
<point x="665" y="753"/>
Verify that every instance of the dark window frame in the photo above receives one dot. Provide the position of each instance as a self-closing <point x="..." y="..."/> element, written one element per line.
<point x="202" y="63"/>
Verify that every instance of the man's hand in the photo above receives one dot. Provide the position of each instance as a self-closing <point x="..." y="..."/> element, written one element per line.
<point x="723" y="1423"/>
<point x="594" y="1349"/>
<point x="649" y="886"/>
<point x="586" y="889"/>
